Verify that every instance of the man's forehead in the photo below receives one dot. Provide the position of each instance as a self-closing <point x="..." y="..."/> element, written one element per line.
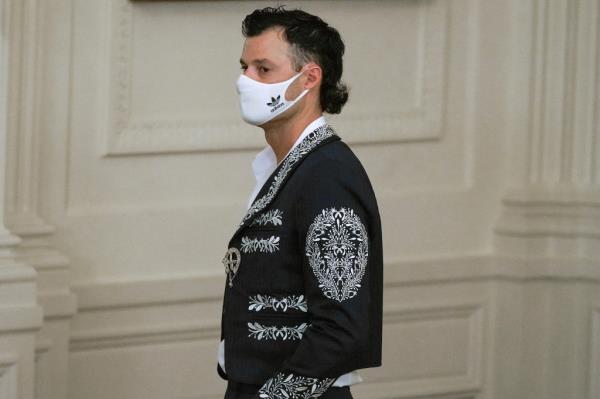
<point x="270" y="45"/>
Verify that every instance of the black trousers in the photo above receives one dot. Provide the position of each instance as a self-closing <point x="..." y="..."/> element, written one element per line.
<point x="236" y="390"/>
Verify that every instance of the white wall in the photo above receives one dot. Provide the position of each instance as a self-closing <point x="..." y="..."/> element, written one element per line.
<point x="128" y="168"/>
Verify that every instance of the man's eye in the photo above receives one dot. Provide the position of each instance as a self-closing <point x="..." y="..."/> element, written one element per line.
<point x="263" y="69"/>
<point x="244" y="67"/>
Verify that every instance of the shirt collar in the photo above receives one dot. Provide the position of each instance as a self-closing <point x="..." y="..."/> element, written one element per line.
<point x="266" y="160"/>
<point x="317" y="123"/>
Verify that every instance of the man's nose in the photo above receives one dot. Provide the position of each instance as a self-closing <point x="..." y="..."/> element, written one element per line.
<point x="251" y="73"/>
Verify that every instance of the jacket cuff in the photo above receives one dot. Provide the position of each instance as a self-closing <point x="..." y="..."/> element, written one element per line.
<point x="221" y="372"/>
<point x="294" y="386"/>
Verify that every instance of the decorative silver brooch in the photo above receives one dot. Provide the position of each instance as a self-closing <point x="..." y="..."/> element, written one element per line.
<point x="231" y="261"/>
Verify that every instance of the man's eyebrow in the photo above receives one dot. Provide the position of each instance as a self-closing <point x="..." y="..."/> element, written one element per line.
<point x="257" y="61"/>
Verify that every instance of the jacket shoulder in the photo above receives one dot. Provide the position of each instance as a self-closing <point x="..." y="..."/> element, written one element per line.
<point x="331" y="173"/>
<point x="331" y="159"/>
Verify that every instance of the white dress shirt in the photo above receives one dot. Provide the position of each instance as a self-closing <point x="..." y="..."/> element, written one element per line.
<point x="264" y="164"/>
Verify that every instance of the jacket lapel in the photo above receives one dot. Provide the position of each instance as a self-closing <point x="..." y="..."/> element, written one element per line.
<point x="273" y="185"/>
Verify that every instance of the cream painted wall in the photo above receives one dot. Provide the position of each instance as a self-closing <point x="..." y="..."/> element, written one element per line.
<point x="159" y="161"/>
<point x="128" y="167"/>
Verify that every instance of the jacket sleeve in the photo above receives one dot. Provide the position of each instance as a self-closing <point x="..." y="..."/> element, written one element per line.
<point x="333" y="235"/>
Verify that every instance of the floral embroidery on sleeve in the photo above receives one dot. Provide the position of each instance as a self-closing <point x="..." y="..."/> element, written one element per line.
<point x="337" y="249"/>
<point x="291" y="386"/>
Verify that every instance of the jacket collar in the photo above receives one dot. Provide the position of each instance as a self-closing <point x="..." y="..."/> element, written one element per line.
<point x="272" y="186"/>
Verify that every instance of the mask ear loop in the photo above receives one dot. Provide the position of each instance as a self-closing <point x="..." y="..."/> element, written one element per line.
<point x="293" y="79"/>
<point x="299" y="96"/>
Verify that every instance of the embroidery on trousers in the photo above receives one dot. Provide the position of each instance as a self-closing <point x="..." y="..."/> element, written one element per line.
<point x="273" y="216"/>
<point x="291" y="386"/>
<point x="270" y="244"/>
<point x="262" y="332"/>
<point x="337" y="248"/>
<point x="259" y="302"/>
<point x="305" y="146"/>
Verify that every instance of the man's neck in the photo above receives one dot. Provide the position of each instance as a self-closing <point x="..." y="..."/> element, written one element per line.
<point x="282" y="136"/>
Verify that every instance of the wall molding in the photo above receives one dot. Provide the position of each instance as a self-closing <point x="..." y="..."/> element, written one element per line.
<point x="474" y="312"/>
<point x="471" y="382"/>
<point x="149" y="292"/>
<point x="15" y="273"/>
<point x="460" y="268"/>
<point x="106" y="295"/>
<point x="473" y="268"/>
<point x="547" y="212"/>
<point x="206" y="291"/>
<point x="563" y="43"/>
<point x="594" y="381"/>
<point x="20" y="318"/>
<point x="538" y="220"/>
<point x="8" y="376"/>
<point x="140" y="295"/>
<point x="108" y="303"/>
<point x="43" y="366"/>
<point x="109" y="338"/>
<point x="126" y="134"/>
<point x="400" y="390"/>
<point x="58" y="305"/>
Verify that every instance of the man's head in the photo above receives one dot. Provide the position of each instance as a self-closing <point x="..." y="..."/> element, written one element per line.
<point x="280" y="43"/>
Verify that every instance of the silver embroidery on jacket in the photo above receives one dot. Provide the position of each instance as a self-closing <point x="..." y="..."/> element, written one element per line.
<point x="262" y="332"/>
<point x="337" y="248"/>
<point x="292" y="386"/>
<point x="259" y="302"/>
<point x="270" y="244"/>
<point x="273" y="216"/>
<point x="305" y="146"/>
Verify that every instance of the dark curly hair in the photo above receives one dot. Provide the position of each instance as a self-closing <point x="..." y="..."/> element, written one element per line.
<point x="310" y="39"/>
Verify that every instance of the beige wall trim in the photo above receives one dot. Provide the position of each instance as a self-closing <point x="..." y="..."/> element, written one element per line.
<point x="144" y="335"/>
<point x="8" y="376"/>
<point x="594" y="376"/>
<point x="124" y="294"/>
<point x="135" y="293"/>
<point x="20" y="318"/>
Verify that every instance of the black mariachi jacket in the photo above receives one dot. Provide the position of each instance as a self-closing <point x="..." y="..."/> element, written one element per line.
<point x="303" y="296"/>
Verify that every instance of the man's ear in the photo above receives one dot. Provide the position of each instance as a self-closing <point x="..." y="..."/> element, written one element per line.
<point x="314" y="75"/>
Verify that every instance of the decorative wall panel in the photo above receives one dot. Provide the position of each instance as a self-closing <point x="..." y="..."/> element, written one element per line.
<point x="174" y="105"/>
<point x="436" y="349"/>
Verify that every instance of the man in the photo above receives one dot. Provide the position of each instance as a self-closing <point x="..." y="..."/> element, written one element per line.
<point x="303" y="298"/>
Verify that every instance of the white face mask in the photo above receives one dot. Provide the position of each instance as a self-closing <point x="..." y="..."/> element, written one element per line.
<point x="261" y="102"/>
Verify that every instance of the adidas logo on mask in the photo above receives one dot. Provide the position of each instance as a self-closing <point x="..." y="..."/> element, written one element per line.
<point x="275" y="103"/>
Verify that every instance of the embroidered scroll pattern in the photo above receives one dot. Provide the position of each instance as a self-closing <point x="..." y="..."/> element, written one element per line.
<point x="292" y="386"/>
<point x="337" y="249"/>
<point x="262" y="332"/>
<point x="259" y="302"/>
<point x="250" y="245"/>
<point x="273" y="216"/>
<point x="305" y="146"/>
